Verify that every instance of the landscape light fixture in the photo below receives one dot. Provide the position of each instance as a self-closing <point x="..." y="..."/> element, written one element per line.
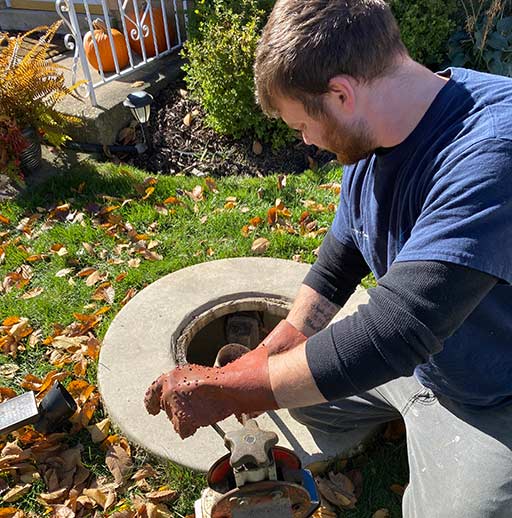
<point x="140" y="106"/>
<point x="51" y="416"/>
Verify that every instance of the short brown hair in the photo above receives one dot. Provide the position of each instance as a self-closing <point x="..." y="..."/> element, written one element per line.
<point x="307" y="42"/>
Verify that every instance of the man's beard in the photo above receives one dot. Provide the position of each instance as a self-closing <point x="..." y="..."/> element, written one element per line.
<point x="349" y="143"/>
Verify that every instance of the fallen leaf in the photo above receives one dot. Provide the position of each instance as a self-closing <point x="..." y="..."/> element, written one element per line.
<point x="397" y="489"/>
<point x="64" y="272"/>
<point x="147" y="471"/>
<point x="99" y="431"/>
<point x="128" y="296"/>
<point x="11" y="512"/>
<point x="8" y="370"/>
<point x="381" y="513"/>
<point x="281" y="182"/>
<point x="211" y="185"/>
<point x="104" y="292"/>
<point x="32" y="293"/>
<point x="119" y="463"/>
<point x="5" y="220"/>
<point x="272" y="216"/>
<point x="172" y="200"/>
<point x="17" y="492"/>
<point x="187" y="120"/>
<point x="260" y="245"/>
<point x="121" y="276"/>
<point x="94" y="278"/>
<point x="85" y="272"/>
<point x="255" y="221"/>
<point x="260" y="192"/>
<point x="257" y="148"/>
<point x="56" y="497"/>
<point x="162" y="495"/>
<point x="134" y="263"/>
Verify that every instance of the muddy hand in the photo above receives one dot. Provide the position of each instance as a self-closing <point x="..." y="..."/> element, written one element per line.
<point x="193" y="396"/>
<point x="282" y="338"/>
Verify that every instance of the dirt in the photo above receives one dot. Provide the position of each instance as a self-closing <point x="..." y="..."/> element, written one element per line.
<point x="195" y="148"/>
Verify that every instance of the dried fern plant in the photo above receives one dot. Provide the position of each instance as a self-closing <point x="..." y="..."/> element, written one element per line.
<point x="32" y="85"/>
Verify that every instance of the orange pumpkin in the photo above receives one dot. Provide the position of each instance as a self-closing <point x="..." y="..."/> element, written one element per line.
<point x="104" y="48"/>
<point x="159" y="29"/>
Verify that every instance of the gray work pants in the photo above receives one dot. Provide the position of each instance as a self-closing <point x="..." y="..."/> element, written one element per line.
<point x="460" y="460"/>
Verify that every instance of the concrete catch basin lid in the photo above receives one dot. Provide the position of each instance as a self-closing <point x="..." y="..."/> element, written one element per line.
<point x="141" y="344"/>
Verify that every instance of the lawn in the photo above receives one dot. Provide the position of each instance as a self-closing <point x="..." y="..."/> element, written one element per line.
<point x="73" y="251"/>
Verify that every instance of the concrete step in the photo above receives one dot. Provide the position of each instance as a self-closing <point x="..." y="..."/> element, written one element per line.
<point x="26" y="19"/>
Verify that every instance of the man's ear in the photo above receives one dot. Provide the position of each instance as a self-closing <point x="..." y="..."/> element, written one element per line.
<point x="342" y="93"/>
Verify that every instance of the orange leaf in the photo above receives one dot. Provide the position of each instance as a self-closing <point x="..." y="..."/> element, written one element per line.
<point x="76" y="387"/>
<point x="34" y="258"/>
<point x="272" y="216"/>
<point x="149" y="192"/>
<point x="255" y="221"/>
<point x="10" y="321"/>
<point x="6" y="393"/>
<point x="121" y="276"/>
<point x="172" y="200"/>
<point x="4" y="220"/>
<point x="31" y="382"/>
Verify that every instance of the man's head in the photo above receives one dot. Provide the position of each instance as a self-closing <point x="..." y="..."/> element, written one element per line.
<point x="311" y="60"/>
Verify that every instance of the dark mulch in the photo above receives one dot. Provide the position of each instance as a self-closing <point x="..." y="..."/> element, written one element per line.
<point x="197" y="149"/>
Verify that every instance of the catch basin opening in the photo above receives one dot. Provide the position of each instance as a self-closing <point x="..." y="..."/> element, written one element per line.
<point x="243" y="321"/>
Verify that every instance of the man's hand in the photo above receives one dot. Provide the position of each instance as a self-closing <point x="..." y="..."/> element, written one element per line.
<point x="193" y="396"/>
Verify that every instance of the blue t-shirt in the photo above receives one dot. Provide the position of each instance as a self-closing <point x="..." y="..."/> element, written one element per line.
<point x="445" y="194"/>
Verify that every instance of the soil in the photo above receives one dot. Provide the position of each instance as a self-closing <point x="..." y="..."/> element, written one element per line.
<point x="177" y="147"/>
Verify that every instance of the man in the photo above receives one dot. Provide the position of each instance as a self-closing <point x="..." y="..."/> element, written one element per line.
<point x="426" y="205"/>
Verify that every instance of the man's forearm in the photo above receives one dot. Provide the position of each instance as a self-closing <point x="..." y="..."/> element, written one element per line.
<point x="291" y="379"/>
<point x="311" y="312"/>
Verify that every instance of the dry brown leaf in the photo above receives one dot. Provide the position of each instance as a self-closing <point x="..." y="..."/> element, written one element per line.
<point x="62" y="511"/>
<point x="85" y="272"/>
<point x="119" y="463"/>
<point x="257" y="148"/>
<point x="32" y="293"/>
<point x="4" y="219"/>
<point x="254" y="222"/>
<point x="381" y="513"/>
<point x="63" y="272"/>
<point x="147" y="471"/>
<point x="99" y="431"/>
<point x="8" y="371"/>
<point x="121" y="276"/>
<point x="104" y="497"/>
<point x="88" y="248"/>
<point x="11" y="512"/>
<point x="129" y="295"/>
<point x="172" y="200"/>
<point x="272" y="216"/>
<point x="134" y="263"/>
<point x="397" y="489"/>
<point x="187" y="120"/>
<point x="104" y="292"/>
<point x="260" y="246"/>
<point x="211" y="184"/>
<point x="162" y="495"/>
<point x="56" y="497"/>
<point x="17" y="492"/>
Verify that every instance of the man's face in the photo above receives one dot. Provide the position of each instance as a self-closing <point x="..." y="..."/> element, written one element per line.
<point x="350" y="142"/>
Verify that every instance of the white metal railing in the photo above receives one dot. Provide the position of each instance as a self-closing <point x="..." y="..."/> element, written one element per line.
<point x="140" y="21"/>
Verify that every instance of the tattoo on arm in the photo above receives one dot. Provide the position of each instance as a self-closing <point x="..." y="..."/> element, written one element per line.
<point x="319" y="315"/>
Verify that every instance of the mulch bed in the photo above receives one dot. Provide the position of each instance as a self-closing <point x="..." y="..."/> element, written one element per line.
<point x="195" y="148"/>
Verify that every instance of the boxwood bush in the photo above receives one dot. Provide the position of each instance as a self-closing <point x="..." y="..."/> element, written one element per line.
<point x="219" y="71"/>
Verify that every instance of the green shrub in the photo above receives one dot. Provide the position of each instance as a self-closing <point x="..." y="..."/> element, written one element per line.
<point x="219" y="72"/>
<point x="485" y="40"/>
<point x="426" y="26"/>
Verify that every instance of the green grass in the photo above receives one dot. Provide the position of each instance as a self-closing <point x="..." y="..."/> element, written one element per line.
<point x="190" y="233"/>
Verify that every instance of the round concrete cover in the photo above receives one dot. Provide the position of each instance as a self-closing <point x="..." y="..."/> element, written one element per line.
<point x="136" y="350"/>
